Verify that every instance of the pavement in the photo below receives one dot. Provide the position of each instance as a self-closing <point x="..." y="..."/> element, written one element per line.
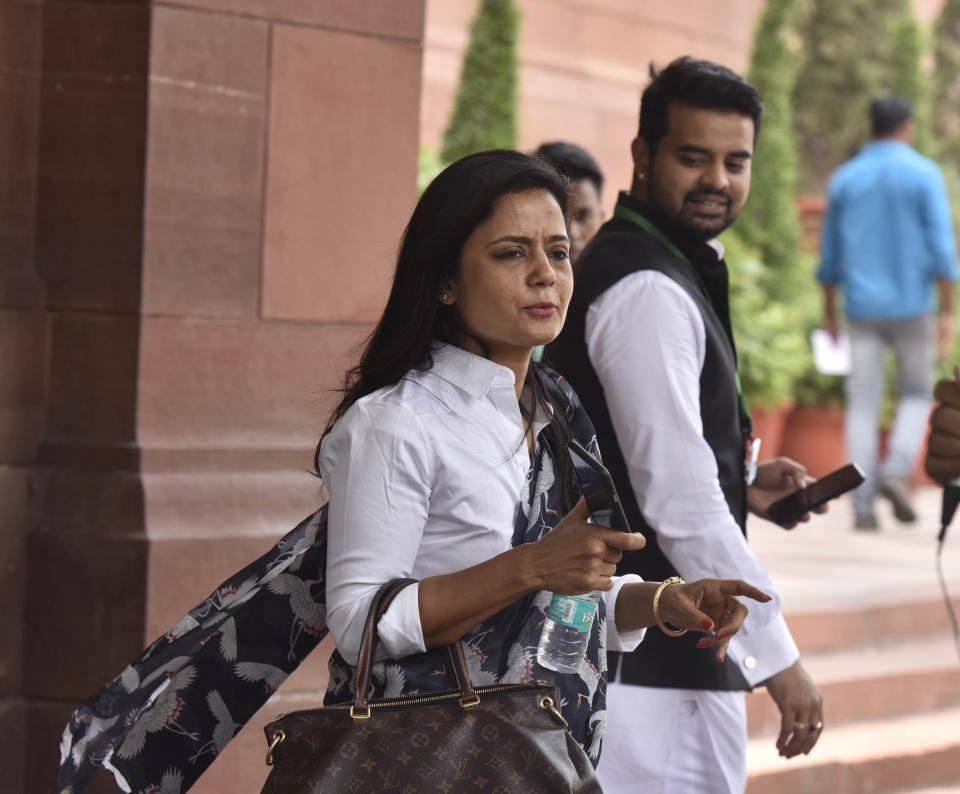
<point x="867" y="612"/>
<point x="826" y="564"/>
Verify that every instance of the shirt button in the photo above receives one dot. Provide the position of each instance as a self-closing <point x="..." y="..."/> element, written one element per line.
<point x="750" y="662"/>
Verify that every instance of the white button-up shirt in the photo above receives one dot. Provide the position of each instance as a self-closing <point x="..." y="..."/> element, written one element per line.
<point x="647" y="342"/>
<point x="425" y="478"/>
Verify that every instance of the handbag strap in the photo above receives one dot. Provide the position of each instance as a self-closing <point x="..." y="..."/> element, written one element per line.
<point x="454" y="660"/>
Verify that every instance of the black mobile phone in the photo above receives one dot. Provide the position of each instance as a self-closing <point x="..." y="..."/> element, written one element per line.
<point x="792" y="507"/>
<point x="598" y="489"/>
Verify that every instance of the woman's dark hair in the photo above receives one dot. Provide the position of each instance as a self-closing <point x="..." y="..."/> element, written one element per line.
<point x="888" y="114"/>
<point x="460" y="198"/>
<point x="697" y="84"/>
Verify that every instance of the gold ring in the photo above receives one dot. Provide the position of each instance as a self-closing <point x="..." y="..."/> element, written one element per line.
<point x="801" y="726"/>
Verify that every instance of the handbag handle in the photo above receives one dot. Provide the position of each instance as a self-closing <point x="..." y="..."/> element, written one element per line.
<point x="454" y="661"/>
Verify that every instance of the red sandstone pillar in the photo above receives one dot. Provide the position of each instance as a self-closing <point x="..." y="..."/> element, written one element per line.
<point x="210" y="203"/>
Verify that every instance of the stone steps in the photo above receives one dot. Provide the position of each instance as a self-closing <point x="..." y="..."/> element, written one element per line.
<point x="873" y="683"/>
<point x="890" y="678"/>
<point x="889" y="755"/>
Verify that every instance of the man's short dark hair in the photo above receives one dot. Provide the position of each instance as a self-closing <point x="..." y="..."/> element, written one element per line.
<point x="697" y="84"/>
<point x="573" y="161"/>
<point x="888" y="113"/>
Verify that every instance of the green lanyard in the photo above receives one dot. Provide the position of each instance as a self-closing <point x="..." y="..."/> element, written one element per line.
<point x="633" y="216"/>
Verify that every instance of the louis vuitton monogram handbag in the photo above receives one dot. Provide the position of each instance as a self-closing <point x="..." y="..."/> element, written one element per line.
<point x="494" y="739"/>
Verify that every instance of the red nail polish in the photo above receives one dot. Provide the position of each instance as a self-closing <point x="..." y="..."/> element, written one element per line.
<point x="723" y="634"/>
<point x="703" y="644"/>
<point x="722" y="655"/>
<point x="707" y="624"/>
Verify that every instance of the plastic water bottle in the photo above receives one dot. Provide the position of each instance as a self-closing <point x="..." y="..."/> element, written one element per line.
<point x="566" y="631"/>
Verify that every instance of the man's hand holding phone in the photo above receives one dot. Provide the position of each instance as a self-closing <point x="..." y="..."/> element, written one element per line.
<point x="776" y="479"/>
<point x="812" y="496"/>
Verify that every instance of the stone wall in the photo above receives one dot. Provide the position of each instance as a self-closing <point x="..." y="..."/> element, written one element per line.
<point x="584" y="64"/>
<point x="199" y="206"/>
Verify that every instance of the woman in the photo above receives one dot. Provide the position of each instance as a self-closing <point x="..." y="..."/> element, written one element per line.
<point x="446" y="460"/>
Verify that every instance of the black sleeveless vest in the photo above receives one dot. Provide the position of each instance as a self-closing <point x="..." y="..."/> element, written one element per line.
<point x="619" y="249"/>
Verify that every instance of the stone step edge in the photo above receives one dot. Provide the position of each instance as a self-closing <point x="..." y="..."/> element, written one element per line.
<point x="878" y="697"/>
<point x="878" y="775"/>
<point x="879" y="755"/>
<point x="880" y="624"/>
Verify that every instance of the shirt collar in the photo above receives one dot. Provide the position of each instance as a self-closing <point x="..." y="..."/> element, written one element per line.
<point x="467" y="371"/>
<point x="881" y="144"/>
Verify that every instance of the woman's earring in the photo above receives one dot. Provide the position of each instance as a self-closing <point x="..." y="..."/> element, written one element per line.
<point x="443" y="297"/>
<point x="640" y="175"/>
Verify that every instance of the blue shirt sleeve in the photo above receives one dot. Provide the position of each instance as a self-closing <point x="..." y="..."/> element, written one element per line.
<point x="938" y="226"/>
<point x="831" y="263"/>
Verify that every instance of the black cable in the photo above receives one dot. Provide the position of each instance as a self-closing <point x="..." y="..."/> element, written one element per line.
<point x="946" y="594"/>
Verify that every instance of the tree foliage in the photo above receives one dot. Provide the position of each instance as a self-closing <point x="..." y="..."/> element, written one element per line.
<point x="848" y="57"/>
<point x="908" y="77"/>
<point x="484" y="114"/>
<point x="945" y="89"/>
<point x="769" y="223"/>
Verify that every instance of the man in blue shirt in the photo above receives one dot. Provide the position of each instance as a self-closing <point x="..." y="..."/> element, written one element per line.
<point x="887" y="237"/>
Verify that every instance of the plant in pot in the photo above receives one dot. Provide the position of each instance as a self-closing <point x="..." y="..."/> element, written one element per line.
<point x="814" y="432"/>
<point x="769" y="342"/>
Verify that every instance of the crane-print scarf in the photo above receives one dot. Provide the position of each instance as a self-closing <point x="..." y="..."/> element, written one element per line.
<point x="161" y="722"/>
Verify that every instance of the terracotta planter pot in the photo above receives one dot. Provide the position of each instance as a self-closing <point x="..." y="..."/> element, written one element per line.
<point x="768" y="425"/>
<point x="813" y="436"/>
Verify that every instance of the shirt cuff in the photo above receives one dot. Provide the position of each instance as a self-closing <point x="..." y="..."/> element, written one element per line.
<point x="616" y="640"/>
<point x="764" y="652"/>
<point x="399" y="629"/>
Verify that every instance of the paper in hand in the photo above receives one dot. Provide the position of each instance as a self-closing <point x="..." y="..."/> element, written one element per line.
<point x="831" y="357"/>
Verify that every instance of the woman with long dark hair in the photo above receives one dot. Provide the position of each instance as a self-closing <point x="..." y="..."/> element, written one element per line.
<point x="446" y="459"/>
<point x="446" y="462"/>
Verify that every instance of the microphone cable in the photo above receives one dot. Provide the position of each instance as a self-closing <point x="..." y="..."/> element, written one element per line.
<point x="951" y="499"/>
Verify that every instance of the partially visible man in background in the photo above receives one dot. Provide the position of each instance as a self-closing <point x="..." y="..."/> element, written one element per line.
<point x="648" y="346"/>
<point x="586" y="185"/>
<point x="943" y="449"/>
<point x="887" y="237"/>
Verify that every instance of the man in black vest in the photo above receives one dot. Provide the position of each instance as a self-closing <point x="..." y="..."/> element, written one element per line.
<point x="648" y="347"/>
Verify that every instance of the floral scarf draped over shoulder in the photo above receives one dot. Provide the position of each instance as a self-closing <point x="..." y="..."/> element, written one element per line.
<point x="164" y="719"/>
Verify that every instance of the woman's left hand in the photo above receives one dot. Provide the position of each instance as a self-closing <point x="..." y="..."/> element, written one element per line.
<point x="709" y="605"/>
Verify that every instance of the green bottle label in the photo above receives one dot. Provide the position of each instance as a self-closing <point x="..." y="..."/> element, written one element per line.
<point x="575" y="613"/>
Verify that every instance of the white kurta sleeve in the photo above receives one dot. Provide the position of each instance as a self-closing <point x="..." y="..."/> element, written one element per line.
<point x="646" y="341"/>
<point x="376" y="466"/>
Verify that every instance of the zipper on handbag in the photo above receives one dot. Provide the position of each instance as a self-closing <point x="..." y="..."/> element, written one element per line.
<point x="546" y="703"/>
<point x="416" y="701"/>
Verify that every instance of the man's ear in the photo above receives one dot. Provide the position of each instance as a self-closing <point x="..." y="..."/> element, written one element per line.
<point x="641" y="161"/>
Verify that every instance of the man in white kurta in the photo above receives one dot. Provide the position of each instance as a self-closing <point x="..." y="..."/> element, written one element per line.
<point x="651" y="341"/>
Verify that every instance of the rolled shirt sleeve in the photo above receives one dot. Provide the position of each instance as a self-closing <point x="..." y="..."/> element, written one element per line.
<point x="830" y="240"/>
<point x="617" y="640"/>
<point x="646" y="341"/>
<point x="938" y="226"/>
<point x="377" y="469"/>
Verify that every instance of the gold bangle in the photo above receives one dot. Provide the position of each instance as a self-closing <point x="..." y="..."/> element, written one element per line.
<point x="656" y="607"/>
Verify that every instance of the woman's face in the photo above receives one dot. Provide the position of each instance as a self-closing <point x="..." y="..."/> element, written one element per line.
<point x="515" y="278"/>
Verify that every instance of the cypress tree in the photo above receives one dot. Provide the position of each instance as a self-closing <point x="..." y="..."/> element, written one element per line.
<point x="848" y="53"/>
<point x="908" y="78"/>
<point x="769" y="222"/>
<point x="484" y="114"/>
<point x="945" y="91"/>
